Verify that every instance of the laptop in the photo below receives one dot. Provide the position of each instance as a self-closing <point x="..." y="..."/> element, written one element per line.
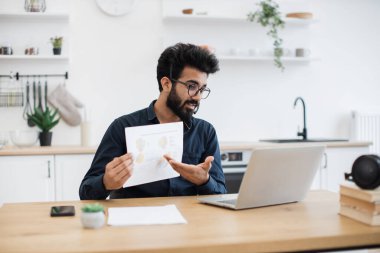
<point x="274" y="176"/>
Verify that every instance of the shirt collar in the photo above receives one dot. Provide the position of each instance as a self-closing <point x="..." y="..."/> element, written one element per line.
<point x="153" y="117"/>
<point x="151" y="114"/>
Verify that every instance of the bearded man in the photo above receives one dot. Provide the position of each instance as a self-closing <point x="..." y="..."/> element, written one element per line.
<point x="182" y="74"/>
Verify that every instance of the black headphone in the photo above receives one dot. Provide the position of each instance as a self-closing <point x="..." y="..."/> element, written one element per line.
<point x="365" y="172"/>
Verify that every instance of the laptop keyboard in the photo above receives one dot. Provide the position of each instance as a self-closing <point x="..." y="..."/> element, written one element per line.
<point x="228" y="201"/>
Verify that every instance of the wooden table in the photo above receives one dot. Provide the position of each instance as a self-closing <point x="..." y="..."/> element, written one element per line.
<point x="313" y="224"/>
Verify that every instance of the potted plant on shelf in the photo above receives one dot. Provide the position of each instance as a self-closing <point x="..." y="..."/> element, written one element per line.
<point x="93" y="215"/>
<point x="268" y="14"/>
<point x="45" y="120"/>
<point x="57" y="44"/>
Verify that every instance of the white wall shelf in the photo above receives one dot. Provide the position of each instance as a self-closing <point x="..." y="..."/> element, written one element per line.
<point x="21" y="30"/>
<point x="34" y="57"/>
<point x="34" y="15"/>
<point x="265" y="58"/>
<point x="195" y="17"/>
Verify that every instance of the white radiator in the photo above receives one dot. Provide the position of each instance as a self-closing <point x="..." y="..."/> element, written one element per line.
<point x="366" y="127"/>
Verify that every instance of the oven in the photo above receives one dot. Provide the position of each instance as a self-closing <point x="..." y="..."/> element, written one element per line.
<point x="234" y="164"/>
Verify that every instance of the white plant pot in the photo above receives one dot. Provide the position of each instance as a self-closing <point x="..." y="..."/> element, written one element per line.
<point x="93" y="220"/>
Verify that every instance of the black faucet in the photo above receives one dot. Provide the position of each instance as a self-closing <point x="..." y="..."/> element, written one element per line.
<point x="304" y="131"/>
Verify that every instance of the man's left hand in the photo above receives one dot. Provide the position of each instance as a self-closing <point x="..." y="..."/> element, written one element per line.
<point x="197" y="174"/>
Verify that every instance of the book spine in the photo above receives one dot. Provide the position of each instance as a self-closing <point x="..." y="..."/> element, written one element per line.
<point x="359" y="216"/>
<point x="368" y="207"/>
<point x="359" y="194"/>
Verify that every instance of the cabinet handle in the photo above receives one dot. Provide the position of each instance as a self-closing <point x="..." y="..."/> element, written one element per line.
<point x="49" y="169"/>
<point x="325" y="156"/>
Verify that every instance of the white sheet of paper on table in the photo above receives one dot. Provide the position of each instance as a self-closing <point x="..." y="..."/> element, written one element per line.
<point x="148" y="144"/>
<point x="147" y="215"/>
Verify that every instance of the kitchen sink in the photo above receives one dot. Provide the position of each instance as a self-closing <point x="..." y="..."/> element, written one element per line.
<point x="302" y="140"/>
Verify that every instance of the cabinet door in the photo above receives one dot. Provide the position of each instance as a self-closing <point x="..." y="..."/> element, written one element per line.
<point x="26" y="178"/>
<point x="339" y="161"/>
<point x="70" y="171"/>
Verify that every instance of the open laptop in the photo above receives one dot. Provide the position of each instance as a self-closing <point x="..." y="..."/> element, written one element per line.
<point x="275" y="175"/>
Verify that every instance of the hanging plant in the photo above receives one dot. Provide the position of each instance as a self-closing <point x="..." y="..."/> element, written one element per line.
<point x="268" y="15"/>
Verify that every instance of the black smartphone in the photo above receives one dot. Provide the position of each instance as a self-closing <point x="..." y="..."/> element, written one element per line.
<point x="62" y="211"/>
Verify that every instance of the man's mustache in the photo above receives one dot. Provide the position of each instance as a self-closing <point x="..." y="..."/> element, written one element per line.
<point x="193" y="102"/>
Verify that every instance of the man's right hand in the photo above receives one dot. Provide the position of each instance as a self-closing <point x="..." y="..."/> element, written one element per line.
<point x="118" y="171"/>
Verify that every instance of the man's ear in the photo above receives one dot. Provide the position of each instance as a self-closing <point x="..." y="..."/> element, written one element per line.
<point x="166" y="84"/>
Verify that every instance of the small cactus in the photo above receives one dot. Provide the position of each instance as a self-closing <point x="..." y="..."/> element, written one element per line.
<point x="92" y="208"/>
<point x="56" y="42"/>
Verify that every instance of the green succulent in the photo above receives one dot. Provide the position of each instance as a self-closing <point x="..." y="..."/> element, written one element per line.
<point x="268" y="14"/>
<point x="56" y="42"/>
<point x="44" y="119"/>
<point x="92" y="208"/>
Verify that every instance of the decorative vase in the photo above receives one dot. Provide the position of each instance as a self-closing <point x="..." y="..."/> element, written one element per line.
<point x="93" y="219"/>
<point x="45" y="138"/>
<point x="57" y="51"/>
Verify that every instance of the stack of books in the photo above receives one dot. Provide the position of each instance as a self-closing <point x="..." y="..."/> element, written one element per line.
<point x="361" y="205"/>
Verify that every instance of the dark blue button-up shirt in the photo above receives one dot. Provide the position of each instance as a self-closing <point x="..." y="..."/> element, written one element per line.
<point x="199" y="141"/>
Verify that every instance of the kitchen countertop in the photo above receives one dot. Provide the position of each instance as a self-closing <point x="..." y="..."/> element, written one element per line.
<point x="72" y="150"/>
<point x="51" y="150"/>
<point x="250" y="145"/>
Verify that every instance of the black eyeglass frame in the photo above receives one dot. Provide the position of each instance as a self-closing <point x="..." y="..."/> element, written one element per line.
<point x="189" y="85"/>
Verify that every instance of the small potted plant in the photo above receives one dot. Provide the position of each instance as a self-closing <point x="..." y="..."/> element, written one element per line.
<point x="268" y="14"/>
<point x="57" y="44"/>
<point x="44" y="120"/>
<point x="93" y="216"/>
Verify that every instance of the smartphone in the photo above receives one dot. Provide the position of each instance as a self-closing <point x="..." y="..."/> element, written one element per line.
<point x="62" y="211"/>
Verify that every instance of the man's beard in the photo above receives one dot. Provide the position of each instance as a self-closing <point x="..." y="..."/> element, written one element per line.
<point x="175" y="104"/>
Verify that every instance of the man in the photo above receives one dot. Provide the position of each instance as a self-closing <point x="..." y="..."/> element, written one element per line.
<point x="182" y="73"/>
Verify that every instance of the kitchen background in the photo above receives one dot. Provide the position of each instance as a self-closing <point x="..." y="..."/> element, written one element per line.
<point x="111" y="63"/>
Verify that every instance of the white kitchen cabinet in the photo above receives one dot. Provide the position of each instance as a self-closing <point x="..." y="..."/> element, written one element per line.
<point x="42" y="177"/>
<point x="70" y="171"/>
<point x="336" y="162"/>
<point x="27" y="178"/>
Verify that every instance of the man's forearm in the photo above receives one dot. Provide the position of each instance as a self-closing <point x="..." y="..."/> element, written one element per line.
<point x="93" y="188"/>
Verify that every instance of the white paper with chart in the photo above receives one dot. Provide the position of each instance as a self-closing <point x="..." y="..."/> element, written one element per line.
<point x="148" y="144"/>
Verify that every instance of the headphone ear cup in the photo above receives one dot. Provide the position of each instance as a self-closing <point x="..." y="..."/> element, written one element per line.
<point x="366" y="171"/>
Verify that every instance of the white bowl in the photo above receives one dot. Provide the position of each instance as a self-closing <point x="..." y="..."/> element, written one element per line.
<point x="3" y="139"/>
<point x="24" y="138"/>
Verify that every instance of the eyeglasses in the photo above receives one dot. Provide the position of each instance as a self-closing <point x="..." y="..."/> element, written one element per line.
<point x="192" y="87"/>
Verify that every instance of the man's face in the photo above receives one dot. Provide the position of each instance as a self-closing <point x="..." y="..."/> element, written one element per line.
<point x="179" y="100"/>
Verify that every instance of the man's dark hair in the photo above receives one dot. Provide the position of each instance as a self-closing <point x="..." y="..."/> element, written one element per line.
<point x="175" y="58"/>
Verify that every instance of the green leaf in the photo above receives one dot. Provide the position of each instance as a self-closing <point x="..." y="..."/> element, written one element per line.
<point x="268" y="14"/>
<point x="44" y="119"/>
